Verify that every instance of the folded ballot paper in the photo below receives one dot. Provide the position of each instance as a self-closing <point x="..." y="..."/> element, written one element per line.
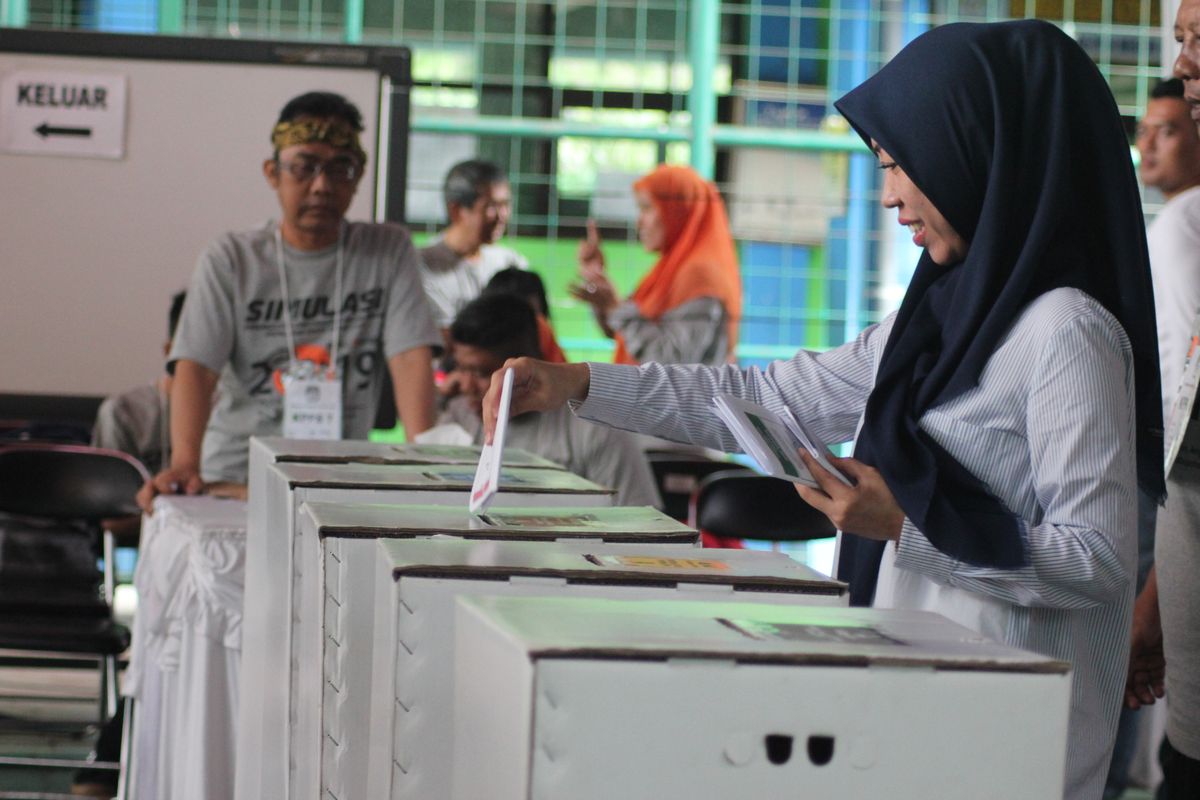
<point x="774" y="440"/>
<point x="487" y="474"/>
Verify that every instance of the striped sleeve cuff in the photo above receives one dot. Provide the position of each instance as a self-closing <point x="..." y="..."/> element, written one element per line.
<point x="612" y="393"/>
<point x="915" y="552"/>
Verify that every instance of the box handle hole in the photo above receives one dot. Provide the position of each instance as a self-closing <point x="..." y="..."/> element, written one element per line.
<point x="820" y="749"/>
<point x="779" y="748"/>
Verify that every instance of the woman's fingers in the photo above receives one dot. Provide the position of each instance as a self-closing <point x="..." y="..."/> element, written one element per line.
<point x="867" y="508"/>
<point x="537" y="386"/>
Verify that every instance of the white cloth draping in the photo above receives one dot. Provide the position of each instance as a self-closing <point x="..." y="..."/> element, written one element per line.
<point x="186" y="648"/>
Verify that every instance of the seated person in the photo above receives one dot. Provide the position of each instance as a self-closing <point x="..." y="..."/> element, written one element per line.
<point x="136" y="421"/>
<point x="458" y="263"/>
<point x="528" y="284"/>
<point x="496" y="327"/>
<point x="309" y="300"/>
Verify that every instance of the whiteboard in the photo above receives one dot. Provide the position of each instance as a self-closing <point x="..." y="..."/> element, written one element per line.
<point x="92" y="249"/>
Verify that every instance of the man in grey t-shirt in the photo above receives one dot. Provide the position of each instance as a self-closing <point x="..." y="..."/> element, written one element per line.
<point x="457" y="264"/>
<point x="310" y="287"/>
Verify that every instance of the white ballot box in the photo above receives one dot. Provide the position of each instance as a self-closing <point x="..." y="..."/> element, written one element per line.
<point x="349" y="637"/>
<point x="282" y="589"/>
<point x="411" y="737"/>
<point x="267" y="450"/>
<point x="600" y="699"/>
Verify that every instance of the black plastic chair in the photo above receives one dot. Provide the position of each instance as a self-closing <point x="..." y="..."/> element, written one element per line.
<point x="55" y="605"/>
<point x="745" y="505"/>
<point x="677" y="476"/>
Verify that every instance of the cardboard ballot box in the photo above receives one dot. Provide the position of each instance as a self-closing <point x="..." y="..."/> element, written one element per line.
<point x="267" y="450"/>
<point x="283" y="592"/>
<point x="359" y="621"/>
<point x="411" y="691"/>
<point x="599" y="699"/>
<point x="343" y="644"/>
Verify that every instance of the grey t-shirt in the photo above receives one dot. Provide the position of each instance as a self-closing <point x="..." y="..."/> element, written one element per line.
<point x="233" y="323"/>
<point x="452" y="281"/>
<point x="135" y="422"/>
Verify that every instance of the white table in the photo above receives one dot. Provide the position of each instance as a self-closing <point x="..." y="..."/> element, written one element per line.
<point x="187" y="639"/>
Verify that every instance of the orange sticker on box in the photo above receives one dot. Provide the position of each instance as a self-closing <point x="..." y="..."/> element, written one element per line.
<point x="654" y="562"/>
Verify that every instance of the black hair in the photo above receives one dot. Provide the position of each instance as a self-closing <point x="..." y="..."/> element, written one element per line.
<point x="499" y="322"/>
<point x="523" y="283"/>
<point x="466" y="178"/>
<point x="1171" y="87"/>
<point x="322" y="105"/>
<point x="175" y="312"/>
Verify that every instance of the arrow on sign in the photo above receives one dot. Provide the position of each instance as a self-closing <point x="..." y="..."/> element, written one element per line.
<point x="46" y="129"/>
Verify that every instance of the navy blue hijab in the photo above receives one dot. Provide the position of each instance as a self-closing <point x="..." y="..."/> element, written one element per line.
<point x="1013" y="135"/>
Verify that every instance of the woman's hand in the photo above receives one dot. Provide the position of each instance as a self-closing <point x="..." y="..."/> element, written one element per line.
<point x="590" y="256"/>
<point x="598" y="292"/>
<point x="537" y="386"/>
<point x="868" y="508"/>
<point x="593" y="286"/>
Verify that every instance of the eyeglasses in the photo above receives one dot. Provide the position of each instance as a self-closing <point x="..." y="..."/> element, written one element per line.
<point x="337" y="170"/>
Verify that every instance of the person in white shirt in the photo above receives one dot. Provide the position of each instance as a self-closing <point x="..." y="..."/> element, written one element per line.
<point x="1169" y="145"/>
<point x="459" y="262"/>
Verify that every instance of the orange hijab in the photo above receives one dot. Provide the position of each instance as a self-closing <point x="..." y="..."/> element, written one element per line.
<point x="698" y="259"/>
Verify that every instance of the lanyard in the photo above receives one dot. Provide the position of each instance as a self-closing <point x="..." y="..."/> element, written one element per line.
<point x="164" y="425"/>
<point x="287" y="313"/>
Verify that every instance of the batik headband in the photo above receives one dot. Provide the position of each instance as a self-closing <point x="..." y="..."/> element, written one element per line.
<point x="330" y="130"/>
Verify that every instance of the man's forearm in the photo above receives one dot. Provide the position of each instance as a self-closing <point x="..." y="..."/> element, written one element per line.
<point x="412" y="385"/>
<point x="191" y="403"/>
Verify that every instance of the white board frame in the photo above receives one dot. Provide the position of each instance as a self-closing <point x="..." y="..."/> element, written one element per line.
<point x="93" y="249"/>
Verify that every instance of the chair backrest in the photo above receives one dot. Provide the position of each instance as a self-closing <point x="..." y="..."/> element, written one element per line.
<point x="69" y="482"/>
<point x="678" y="476"/>
<point x="746" y="505"/>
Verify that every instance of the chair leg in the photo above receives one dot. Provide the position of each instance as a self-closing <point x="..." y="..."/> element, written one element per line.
<point x="110" y="687"/>
<point x="123" y="775"/>
<point x="110" y="568"/>
<point x="102" y="711"/>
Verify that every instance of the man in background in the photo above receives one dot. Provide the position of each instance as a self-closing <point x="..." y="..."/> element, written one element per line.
<point x="499" y="326"/>
<point x="309" y="301"/>
<point x="137" y="421"/>
<point x="1169" y="623"/>
<point x="463" y="258"/>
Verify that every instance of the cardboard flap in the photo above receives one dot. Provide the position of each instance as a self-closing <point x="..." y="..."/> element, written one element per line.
<point x="357" y="451"/>
<point x="433" y="477"/>
<point x="608" y="563"/>
<point x="749" y="632"/>
<point x="606" y="523"/>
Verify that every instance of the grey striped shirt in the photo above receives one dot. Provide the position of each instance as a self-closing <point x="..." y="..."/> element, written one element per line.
<point x="1049" y="429"/>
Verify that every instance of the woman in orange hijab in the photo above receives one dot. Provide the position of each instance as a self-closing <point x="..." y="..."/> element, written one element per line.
<point x="687" y="308"/>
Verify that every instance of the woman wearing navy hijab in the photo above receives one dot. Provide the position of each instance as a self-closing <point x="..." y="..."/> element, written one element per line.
<point x="1006" y="414"/>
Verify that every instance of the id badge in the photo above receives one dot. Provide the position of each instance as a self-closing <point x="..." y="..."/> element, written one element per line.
<point x="312" y="407"/>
